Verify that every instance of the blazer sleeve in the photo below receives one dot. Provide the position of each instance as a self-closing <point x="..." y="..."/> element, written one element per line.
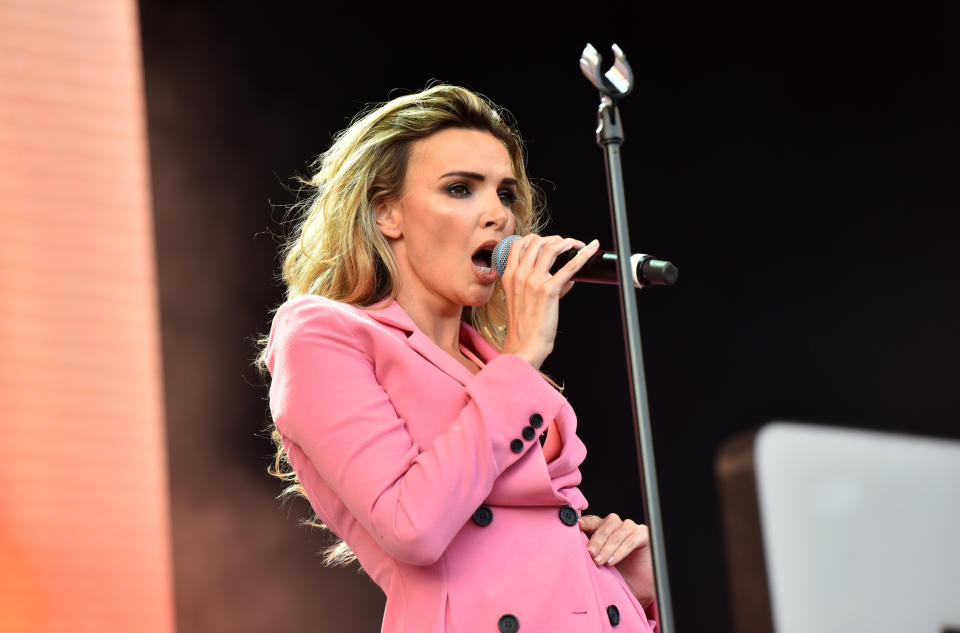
<point x="326" y="402"/>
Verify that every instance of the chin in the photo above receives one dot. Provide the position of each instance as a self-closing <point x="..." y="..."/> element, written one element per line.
<point x="477" y="299"/>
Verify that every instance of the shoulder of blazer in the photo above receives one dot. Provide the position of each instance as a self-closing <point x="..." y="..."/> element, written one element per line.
<point x="306" y="307"/>
<point x="312" y="312"/>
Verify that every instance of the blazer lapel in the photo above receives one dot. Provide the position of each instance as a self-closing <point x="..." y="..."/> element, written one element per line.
<point x="394" y="315"/>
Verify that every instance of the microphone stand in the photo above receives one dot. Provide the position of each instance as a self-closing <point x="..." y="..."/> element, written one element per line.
<point x="613" y="85"/>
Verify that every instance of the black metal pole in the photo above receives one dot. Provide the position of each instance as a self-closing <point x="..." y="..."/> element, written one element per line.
<point x="610" y="137"/>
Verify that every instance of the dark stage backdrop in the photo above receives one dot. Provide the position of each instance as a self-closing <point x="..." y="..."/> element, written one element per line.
<point x="800" y="169"/>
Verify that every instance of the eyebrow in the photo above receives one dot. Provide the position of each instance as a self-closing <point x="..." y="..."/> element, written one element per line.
<point x="475" y="176"/>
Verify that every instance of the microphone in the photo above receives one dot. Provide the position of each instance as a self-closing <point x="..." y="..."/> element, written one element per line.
<point x="601" y="268"/>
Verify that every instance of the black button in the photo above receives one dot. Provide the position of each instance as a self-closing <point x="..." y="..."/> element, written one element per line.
<point x="508" y="624"/>
<point x="614" y="614"/>
<point x="536" y="420"/>
<point x="528" y="433"/>
<point x="483" y="516"/>
<point x="568" y="515"/>
<point x="516" y="446"/>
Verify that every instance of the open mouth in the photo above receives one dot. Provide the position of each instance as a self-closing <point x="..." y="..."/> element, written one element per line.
<point x="483" y="259"/>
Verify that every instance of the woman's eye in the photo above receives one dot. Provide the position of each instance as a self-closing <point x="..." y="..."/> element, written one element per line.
<point x="458" y="189"/>
<point x="508" y="196"/>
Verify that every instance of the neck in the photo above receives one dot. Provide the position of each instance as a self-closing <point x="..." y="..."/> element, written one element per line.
<point x="440" y="323"/>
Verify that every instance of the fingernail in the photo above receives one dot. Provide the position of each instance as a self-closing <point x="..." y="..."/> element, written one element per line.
<point x="610" y="561"/>
<point x="595" y="241"/>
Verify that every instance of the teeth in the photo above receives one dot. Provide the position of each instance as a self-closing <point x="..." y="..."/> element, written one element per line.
<point x="484" y="269"/>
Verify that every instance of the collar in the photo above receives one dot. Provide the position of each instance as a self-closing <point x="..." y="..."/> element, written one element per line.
<point x="390" y="313"/>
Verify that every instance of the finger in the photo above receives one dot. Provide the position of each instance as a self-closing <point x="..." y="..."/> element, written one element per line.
<point x="608" y="525"/>
<point x="517" y="251"/>
<point x="547" y="251"/>
<point x="589" y="523"/>
<point x="567" y="287"/>
<point x="538" y="253"/>
<point x="614" y="541"/>
<point x="555" y="247"/>
<point x="576" y="263"/>
<point x="639" y="539"/>
<point x="530" y="247"/>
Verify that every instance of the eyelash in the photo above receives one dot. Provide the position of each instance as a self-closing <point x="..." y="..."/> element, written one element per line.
<point x="461" y="189"/>
<point x="458" y="189"/>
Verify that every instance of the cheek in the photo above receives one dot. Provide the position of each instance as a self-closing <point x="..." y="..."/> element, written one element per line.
<point x="511" y="223"/>
<point x="426" y="231"/>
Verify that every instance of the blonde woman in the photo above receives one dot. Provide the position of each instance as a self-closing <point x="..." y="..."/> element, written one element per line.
<point x="406" y="392"/>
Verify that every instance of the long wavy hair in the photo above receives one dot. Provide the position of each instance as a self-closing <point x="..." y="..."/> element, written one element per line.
<point x="336" y="249"/>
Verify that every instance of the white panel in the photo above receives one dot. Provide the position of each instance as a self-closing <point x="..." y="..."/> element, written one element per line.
<point x="861" y="530"/>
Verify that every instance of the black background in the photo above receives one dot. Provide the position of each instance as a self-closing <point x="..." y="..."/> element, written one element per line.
<point x="798" y="163"/>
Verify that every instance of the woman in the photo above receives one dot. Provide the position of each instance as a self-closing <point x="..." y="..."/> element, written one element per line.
<point x="415" y="435"/>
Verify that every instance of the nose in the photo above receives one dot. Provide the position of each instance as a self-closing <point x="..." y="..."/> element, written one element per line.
<point x="495" y="214"/>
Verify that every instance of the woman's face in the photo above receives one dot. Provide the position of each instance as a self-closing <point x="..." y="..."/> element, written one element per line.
<point x="455" y="206"/>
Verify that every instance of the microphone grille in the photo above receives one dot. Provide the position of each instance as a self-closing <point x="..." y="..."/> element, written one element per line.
<point x="501" y="253"/>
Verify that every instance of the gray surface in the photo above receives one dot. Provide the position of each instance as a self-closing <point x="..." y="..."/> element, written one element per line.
<point x="861" y="530"/>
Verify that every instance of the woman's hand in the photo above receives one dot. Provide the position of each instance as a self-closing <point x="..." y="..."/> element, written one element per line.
<point x="626" y="546"/>
<point x="533" y="294"/>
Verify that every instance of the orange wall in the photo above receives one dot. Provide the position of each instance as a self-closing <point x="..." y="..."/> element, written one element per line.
<point x="84" y="521"/>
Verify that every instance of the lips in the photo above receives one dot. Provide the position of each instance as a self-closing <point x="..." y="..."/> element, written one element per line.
<point x="482" y="259"/>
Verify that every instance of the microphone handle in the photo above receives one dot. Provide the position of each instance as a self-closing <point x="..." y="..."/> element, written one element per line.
<point x="601" y="268"/>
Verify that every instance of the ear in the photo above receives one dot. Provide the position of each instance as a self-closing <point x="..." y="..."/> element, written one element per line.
<point x="387" y="214"/>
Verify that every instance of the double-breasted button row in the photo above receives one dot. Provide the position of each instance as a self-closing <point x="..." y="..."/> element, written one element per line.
<point x="508" y="623"/>
<point x="528" y="433"/>
<point x="483" y="516"/>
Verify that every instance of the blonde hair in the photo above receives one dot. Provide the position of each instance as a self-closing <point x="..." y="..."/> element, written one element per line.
<point x="337" y="251"/>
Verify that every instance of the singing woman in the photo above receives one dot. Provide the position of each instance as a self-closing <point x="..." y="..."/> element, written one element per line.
<point x="405" y="387"/>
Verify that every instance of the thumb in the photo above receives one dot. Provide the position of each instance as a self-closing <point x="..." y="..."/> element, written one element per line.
<point x="589" y="523"/>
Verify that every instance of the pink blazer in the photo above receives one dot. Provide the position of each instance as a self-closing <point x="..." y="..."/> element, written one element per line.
<point x="435" y="477"/>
